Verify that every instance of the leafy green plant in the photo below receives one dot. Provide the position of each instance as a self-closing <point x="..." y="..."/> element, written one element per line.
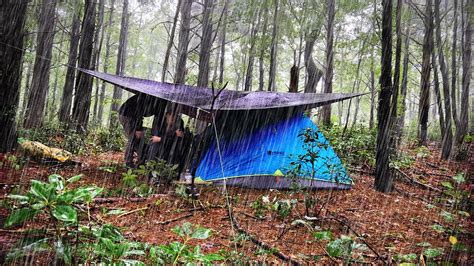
<point x="341" y="247"/>
<point x="129" y="178"/>
<point x="57" y="202"/>
<point x="181" y="252"/>
<point x="283" y="208"/>
<point x="158" y="169"/>
<point x="260" y="206"/>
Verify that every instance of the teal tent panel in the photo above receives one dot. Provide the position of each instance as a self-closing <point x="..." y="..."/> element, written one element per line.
<point x="261" y="156"/>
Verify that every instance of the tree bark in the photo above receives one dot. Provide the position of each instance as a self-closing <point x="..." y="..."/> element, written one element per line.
<point x="170" y="43"/>
<point x="206" y="44"/>
<point x="448" y="135"/>
<point x="424" y="103"/>
<point x="222" y="52"/>
<point x="313" y="74"/>
<point x="453" y="58"/>
<point x="461" y="129"/>
<point x="326" y="110"/>
<point x="383" y="177"/>
<point x="251" y="59"/>
<point x="12" y="21"/>
<point x="180" y="73"/>
<point x="83" y="92"/>
<point x="66" y="99"/>
<point x="96" y="59"/>
<point x="396" y="74"/>
<point x="273" y="51"/>
<point x="120" y="67"/>
<point x="373" y="91"/>
<point x="40" y="84"/>
<point x="261" y="68"/>
<point x="100" y="112"/>
<point x="438" y="93"/>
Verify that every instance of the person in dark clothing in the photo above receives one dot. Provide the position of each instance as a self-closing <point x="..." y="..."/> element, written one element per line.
<point x="167" y="139"/>
<point x="131" y="115"/>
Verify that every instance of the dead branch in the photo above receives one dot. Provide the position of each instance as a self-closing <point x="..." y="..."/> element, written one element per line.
<point x="175" y="219"/>
<point x="260" y="243"/>
<point x="134" y="199"/>
<point x="412" y="180"/>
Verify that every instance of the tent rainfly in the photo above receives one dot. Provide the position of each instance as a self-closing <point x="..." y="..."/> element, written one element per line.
<point x="259" y="133"/>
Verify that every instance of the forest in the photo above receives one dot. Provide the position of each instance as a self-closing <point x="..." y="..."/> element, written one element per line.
<point x="152" y="132"/>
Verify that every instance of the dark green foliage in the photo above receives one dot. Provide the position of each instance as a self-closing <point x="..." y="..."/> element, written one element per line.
<point x="355" y="147"/>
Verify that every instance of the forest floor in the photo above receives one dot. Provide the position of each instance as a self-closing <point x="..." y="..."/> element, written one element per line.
<point x="390" y="225"/>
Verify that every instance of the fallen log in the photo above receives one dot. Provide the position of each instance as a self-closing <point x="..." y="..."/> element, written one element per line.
<point x="412" y="180"/>
<point x="131" y="199"/>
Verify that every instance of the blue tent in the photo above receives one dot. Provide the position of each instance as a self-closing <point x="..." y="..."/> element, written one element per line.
<point x="262" y="158"/>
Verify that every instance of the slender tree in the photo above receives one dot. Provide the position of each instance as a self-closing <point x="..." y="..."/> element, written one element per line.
<point x="326" y="111"/>
<point x="222" y="52"/>
<point x="273" y="50"/>
<point x="83" y="88"/>
<point x="100" y="112"/>
<point x="383" y="176"/>
<point x="170" y="42"/>
<point x="448" y="135"/>
<point x="12" y="21"/>
<point x="261" y="67"/>
<point x="97" y="49"/>
<point x="180" y="73"/>
<point x="40" y="83"/>
<point x="206" y="44"/>
<point x="462" y="128"/>
<point x="120" y="67"/>
<point x="404" y="86"/>
<point x="66" y="99"/>
<point x="252" y="40"/>
<point x="424" y="104"/>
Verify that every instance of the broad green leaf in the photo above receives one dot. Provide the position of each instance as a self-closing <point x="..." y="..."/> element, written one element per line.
<point x="459" y="178"/>
<point x="131" y="262"/>
<point x="408" y="257"/>
<point x="65" y="213"/>
<point x="424" y="244"/>
<point x="447" y="184"/>
<point x="438" y="228"/>
<point x="63" y="251"/>
<point x="41" y="190"/>
<point x="201" y="233"/>
<point x="57" y="181"/>
<point x="323" y="235"/>
<point x="433" y="252"/>
<point x="19" y="216"/>
<point x="74" y="178"/>
<point x="18" y="197"/>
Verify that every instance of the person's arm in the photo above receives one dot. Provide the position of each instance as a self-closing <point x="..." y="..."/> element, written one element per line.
<point x="156" y="129"/>
<point x="180" y="131"/>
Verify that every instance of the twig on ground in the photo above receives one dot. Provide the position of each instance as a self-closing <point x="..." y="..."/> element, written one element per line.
<point x="260" y="243"/>
<point x="251" y="216"/>
<point x="132" y="211"/>
<point x="175" y="219"/>
<point x="405" y="175"/>
<point x="136" y="199"/>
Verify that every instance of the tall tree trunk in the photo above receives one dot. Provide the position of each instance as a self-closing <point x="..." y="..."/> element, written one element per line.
<point x="12" y="21"/>
<point x="273" y="51"/>
<point x="461" y="129"/>
<point x="453" y="58"/>
<point x="403" y="90"/>
<point x="170" y="43"/>
<point x="373" y="91"/>
<point x="396" y="74"/>
<point x="326" y="111"/>
<point x="40" y="83"/>
<point x="120" y="67"/>
<point x="29" y="73"/>
<point x="313" y="74"/>
<point x="100" y="112"/>
<point x="66" y="99"/>
<point x="424" y="104"/>
<point x="251" y="59"/>
<point x="180" y="73"/>
<point x="261" y="69"/>
<point x="222" y="52"/>
<point x="383" y="176"/>
<point x="206" y="44"/>
<point x="96" y="59"/>
<point x="83" y="91"/>
<point x="437" y="93"/>
<point x="448" y="135"/>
